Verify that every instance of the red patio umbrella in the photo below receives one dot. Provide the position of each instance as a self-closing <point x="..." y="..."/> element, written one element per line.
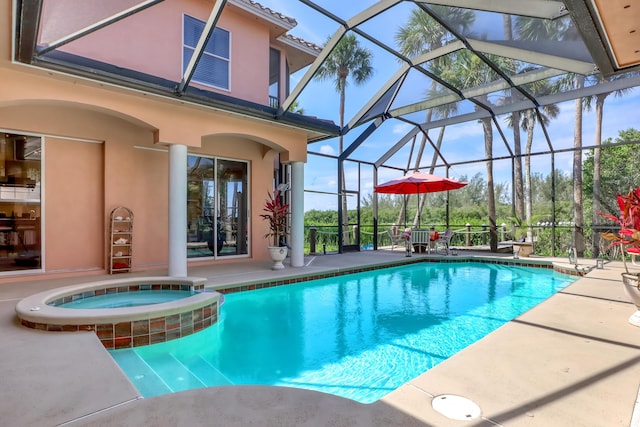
<point x="417" y="183"/>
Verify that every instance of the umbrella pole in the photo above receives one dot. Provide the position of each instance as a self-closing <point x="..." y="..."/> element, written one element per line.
<point x="405" y="210"/>
<point x="418" y="207"/>
<point x="419" y="210"/>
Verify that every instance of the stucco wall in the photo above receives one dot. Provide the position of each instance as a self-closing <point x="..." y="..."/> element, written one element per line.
<point x="151" y="42"/>
<point x="74" y="205"/>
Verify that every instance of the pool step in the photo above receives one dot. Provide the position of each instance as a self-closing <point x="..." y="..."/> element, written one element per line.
<point x="165" y="374"/>
<point x="173" y="372"/>
<point x="206" y="372"/>
<point x="140" y="374"/>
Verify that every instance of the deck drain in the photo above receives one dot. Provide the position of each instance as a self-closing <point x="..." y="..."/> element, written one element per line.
<point x="456" y="407"/>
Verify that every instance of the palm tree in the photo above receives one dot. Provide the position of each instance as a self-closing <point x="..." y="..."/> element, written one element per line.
<point x="599" y="108"/>
<point x="346" y="59"/>
<point x="576" y="81"/>
<point x="469" y="70"/>
<point x="296" y="108"/>
<point x="516" y="116"/>
<point x="421" y="34"/>
<point x="560" y="29"/>
<point x="529" y="119"/>
<point x="513" y="121"/>
<point x="442" y="111"/>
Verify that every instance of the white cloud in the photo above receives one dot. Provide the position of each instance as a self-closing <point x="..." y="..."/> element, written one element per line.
<point x="328" y="150"/>
<point x="402" y="128"/>
<point x="463" y="131"/>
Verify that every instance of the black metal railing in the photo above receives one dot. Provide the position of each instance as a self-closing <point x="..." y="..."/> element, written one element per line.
<point x="548" y="240"/>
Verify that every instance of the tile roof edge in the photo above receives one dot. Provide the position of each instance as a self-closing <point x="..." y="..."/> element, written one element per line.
<point x="309" y="45"/>
<point x="264" y="11"/>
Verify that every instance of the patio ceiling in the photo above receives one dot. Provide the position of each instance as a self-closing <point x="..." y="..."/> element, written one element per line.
<point x="517" y="67"/>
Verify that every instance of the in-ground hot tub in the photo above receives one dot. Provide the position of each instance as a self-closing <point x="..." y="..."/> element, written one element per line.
<point x="124" y="327"/>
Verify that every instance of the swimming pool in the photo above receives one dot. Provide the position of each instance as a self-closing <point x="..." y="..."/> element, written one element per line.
<point x="358" y="336"/>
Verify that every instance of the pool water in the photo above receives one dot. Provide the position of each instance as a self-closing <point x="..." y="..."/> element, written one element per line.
<point x="359" y="336"/>
<point x="127" y="299"/>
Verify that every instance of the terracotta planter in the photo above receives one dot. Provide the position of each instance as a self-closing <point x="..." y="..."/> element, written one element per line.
<point x="630" y="283"/>
<point x="278" y="254"/>
<point x="522" y="249"/>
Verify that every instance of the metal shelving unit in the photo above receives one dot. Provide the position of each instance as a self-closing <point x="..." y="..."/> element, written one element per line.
<point x="120" y="240"/>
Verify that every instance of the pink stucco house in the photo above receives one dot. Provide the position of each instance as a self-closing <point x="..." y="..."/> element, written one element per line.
<point x="100" y="116"/>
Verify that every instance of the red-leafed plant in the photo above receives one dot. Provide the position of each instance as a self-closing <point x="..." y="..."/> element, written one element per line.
<point x="629" y="221"/>
<point x="276" y="214"/>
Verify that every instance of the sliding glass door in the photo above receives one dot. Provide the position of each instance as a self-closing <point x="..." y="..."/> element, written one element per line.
<point x="20" y="206"/>
<point x="217" y="194"/>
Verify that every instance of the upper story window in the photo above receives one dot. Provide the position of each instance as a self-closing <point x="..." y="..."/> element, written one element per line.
<point x="213" y="67"/>
<point x="274" y="78"/>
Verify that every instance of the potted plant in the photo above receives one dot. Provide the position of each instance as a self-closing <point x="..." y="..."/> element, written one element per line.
<point x="628" y="239"/>
<point x="276" y="214"/>
<point x="522" y="238"/>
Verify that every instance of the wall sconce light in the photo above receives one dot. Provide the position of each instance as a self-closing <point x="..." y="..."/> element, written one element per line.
<point x="599" y="263"/>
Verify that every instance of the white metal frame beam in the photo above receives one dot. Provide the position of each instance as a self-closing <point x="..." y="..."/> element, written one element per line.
<point x="97" y="25"/>
<point x="533" y="57"/>
<point x="398" y="145"/>
<point x="311" y="71"/>
<point x="529" y="77"/>
<point x="605" y="87"/>
<point x="207" y="32"/>
<point x="531" y="8"/>
<point x="402" y="72"/>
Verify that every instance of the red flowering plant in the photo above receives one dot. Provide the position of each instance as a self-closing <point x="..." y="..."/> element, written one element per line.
<point x="628" y="237"/>
<point x="276" y="214"/>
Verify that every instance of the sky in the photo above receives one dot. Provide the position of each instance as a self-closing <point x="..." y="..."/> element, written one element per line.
<point x="462" y="142"/>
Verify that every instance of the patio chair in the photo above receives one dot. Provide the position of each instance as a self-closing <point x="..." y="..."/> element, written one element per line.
<point x="420" y="241"/>
<point x="443" y="242"/>
<point x="396" y="239"/>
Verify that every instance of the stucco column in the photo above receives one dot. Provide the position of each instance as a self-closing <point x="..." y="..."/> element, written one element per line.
<point x="177" y="210"/>
<point x="297" y="214"/>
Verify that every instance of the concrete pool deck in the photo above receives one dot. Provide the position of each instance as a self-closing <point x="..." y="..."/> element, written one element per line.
<point x="571" y="361"/>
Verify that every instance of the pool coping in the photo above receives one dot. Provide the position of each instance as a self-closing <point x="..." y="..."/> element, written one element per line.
<point x="565" y="268"/>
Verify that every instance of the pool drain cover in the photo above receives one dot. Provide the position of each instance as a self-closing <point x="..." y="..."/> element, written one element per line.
<point x="456" y="407"/>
